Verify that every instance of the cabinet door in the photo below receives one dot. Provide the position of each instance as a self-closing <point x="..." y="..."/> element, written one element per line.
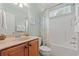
<point x="33" y="48"/>
<point x="14" y="51"/>
<point x="26" y="51"/>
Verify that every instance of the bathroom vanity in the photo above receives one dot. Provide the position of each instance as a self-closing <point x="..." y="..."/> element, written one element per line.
<point x="24" y="46"/>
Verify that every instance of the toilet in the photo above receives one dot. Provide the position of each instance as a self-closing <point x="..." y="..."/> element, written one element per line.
<point x="44" y="50"/>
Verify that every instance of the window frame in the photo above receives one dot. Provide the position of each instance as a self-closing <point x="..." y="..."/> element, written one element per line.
<point x="61" y="6"/>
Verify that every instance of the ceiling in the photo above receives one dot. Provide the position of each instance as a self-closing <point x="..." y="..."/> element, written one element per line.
<point x="37" y="6"/>
<point x="43" y="6"/>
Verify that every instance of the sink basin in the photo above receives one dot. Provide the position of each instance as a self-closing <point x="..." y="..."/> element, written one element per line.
<point x="22" y="38"/>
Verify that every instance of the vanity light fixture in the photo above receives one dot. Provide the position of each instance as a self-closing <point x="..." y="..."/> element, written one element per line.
<point x="21" y="4"/>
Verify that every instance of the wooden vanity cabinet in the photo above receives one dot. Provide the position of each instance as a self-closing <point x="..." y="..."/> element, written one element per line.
<point x="30" y="48"/>
<point x="33" y="48"/>
<point x="15" y="51"/>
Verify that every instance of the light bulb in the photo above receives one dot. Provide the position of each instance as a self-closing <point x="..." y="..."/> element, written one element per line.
<point x="20" y="5"/>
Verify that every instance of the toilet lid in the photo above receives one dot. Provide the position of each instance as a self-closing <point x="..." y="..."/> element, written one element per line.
<point x="45" y="48"/>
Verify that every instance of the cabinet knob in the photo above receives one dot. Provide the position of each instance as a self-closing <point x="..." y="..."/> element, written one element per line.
<point x="25" y="47"/>
<point x="30" y="45"/>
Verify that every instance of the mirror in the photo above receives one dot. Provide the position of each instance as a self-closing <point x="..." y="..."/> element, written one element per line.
<point x="17" y="18"/>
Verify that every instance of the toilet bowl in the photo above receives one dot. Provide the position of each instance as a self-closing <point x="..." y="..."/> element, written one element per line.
<point x="45" y="51"/>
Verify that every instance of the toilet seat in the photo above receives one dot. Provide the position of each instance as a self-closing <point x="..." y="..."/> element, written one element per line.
<point x="45" y="48"/>
<point x="45" y="51"/>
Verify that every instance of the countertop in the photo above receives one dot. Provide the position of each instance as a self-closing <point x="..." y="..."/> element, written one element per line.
<point x="11" y="41"/>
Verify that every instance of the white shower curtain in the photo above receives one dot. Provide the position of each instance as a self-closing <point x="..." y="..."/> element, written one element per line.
<point x="3" y="25"/>
<point x="4" y="21"/>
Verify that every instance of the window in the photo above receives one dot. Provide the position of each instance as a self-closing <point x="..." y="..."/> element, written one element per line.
<point x="60" y="11"/>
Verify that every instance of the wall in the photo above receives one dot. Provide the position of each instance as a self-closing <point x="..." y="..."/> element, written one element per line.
<point x="34" y="20"/>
